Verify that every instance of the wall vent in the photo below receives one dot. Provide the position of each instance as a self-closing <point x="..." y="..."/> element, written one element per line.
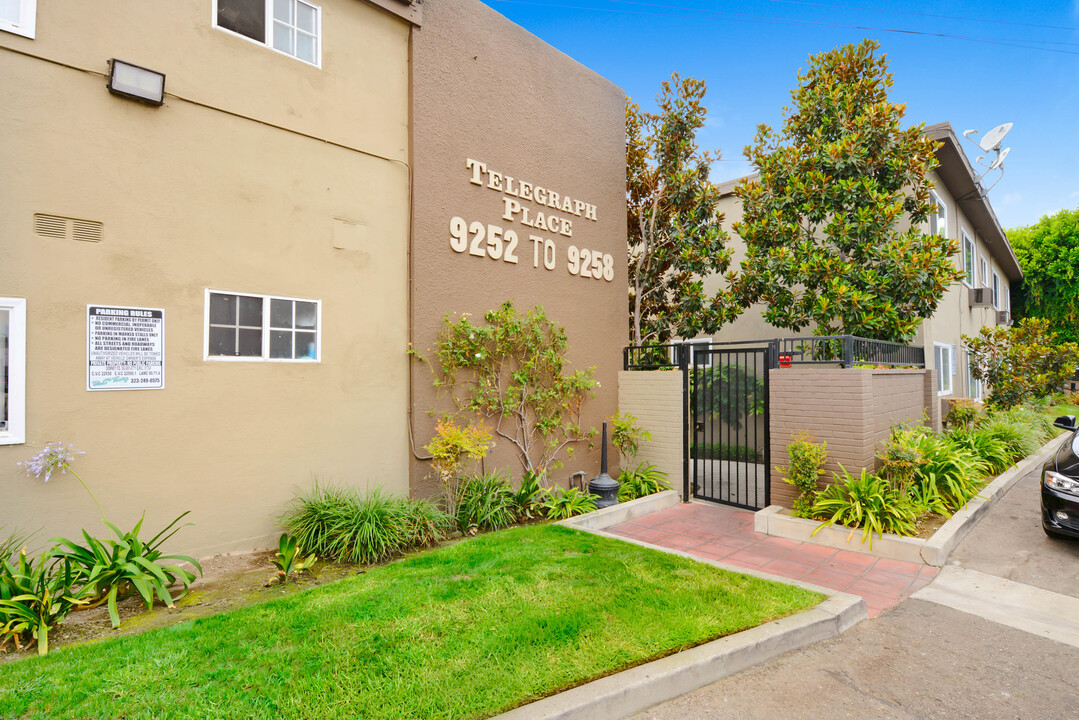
<point x="55" y="226"/>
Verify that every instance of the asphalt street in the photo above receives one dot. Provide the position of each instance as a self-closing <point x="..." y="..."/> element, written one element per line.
<point x="924" y="659"/>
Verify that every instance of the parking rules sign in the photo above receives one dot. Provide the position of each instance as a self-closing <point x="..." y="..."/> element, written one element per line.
<point x="125" y="348"/>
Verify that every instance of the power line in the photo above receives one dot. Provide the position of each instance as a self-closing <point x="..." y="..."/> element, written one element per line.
<point x="766" y="19"/>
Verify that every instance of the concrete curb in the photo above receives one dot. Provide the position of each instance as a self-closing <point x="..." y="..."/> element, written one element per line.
<point x="630" y="691"/>
<point x="773" y="520"/>
<point x="623" y="512"/>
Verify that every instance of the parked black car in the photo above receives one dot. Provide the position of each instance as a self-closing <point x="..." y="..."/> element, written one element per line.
<point x="1060" y="485"/>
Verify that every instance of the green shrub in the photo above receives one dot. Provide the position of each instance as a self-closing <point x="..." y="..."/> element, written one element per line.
<point x="562" y="504"/>
<point x="485" y="502"/>
<point x="35" y="598"/>
<point x="997" y="456"/>
<point x="719" y="451"/>
<point x="642" y="481"/>
<point x="806" y="466"/>
<point x="113" y="569"/>
<point x="1020" y="363"/>
<point x="1021" y="430"/>
<point x="951" y="472"/>
<point x="530" y="496"/>
<point x="341" y="524"/>
<point x="626" y="434"/>
<point x="868" y="502"/>
<point x="289" y="559"/>
<point x="963" y="414"/>
<point x="903" y="455"/>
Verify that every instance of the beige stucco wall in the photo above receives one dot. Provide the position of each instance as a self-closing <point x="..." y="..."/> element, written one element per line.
<point x="205" y="193"/>
<point x="853" y="410"/>
<point x="655" y="399"/>
<point x="485" y="89"/>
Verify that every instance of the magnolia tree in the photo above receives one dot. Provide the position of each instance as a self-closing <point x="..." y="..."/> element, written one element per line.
<point x="675" y="238"/>
<point x="1020" y="363"/>
<point x="832" y="222"/>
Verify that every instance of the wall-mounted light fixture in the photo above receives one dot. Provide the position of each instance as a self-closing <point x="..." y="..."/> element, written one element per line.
<point x="136" y="83"/>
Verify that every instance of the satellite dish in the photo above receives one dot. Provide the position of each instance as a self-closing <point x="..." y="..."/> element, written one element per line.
<point x="992" y="140"/>
<point x="999" y="162"/>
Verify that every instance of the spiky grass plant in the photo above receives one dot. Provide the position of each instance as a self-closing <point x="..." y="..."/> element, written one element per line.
<point x="485" y="502"/>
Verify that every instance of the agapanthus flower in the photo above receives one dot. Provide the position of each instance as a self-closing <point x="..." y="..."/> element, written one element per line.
<point x="55" y="457"/>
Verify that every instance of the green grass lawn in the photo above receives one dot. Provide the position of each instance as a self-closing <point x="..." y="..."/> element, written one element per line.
<point x="465" y="631"/>
<point x="1057" y="410"/>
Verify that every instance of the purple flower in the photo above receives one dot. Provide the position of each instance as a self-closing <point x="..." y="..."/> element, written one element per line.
<point x="55" y="457"/>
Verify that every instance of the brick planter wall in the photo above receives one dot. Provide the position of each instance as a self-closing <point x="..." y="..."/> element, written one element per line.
<point x="853" y="410"/>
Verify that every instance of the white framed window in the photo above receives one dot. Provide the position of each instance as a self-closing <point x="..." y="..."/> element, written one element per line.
<point x="1007" y="305"/>
<point x="983" y="271"/>
<point x="968" y="260"/>
<point x="243" y="326"/>
<point x="996" y="291"/>
<point x="12" y="371"/>
<point x="938" y="219"/>
<point x="944" y="361"/>
<point x="974" y="387"/>
<point x="19" y="17"/>
<point x="292" y="27"/>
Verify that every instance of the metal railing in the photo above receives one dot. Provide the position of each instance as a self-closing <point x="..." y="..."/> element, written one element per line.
<point x="655" y="357"/>
<point x="848" y="351"/>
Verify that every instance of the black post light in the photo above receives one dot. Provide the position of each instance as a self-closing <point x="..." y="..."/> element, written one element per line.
<point x="603" y="485"/>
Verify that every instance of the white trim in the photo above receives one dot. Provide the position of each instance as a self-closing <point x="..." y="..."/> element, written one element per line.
<point x="983" y="270"/>
<point x="996" y="290"/>
<point x="967" y="241"/>
<point x="268" y="32"/>
<point x="16" y="432"/>
<point x="941" y="390"/>
<point x="941" y="216"/>
<point x="972" y="383"/>
<point x="265" y="357"/>
<point x="27" y="24"/>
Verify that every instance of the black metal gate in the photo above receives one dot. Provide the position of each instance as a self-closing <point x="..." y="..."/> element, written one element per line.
<point x="728" y="399"/>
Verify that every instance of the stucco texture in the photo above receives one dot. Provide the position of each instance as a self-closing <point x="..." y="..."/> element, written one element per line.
<point x="201" y="193"/>
<point x="484" y="88"/>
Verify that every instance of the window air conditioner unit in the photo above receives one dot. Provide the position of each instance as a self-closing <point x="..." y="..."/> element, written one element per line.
<point x="981" y="297"/>
<point x="1004" y="317"/>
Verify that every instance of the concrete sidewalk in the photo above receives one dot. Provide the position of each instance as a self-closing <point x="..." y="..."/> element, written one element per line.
<point x="717" y="532"/>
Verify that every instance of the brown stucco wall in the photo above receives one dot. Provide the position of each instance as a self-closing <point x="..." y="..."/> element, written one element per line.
<point x="852" y="410"/>
<point x="204" y="192"/>
<point x="484" y="88"/>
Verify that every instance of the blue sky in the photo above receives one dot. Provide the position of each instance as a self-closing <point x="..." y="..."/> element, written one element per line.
<point x="750" y="52"/>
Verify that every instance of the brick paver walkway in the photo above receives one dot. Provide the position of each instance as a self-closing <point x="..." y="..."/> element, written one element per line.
<point x="724" y="533"/>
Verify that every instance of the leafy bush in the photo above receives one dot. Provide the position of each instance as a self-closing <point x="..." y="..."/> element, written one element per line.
<point x="990" y="448"/>
<point x="626" y="434"/>
<point x="950" y="471"/>
<point x="562" y="504"/>
<point x="450" y="448"/>
<point x="35" y="598"/>
<point x="806" y="461"/>
<point x="643" y="481"/>
<point x="1021" y="430"/>
<point x="530" y="496"/>
<point x="485" y="502"/>
<point x="113" y="569"/>
<point x="1020" y="363"/>
<point x="719" y="451"/>
<point x="341" y="524"/>
<point x="868" y="502"/>
<point x="289" y="560"/>
<point x="964" y="414"/>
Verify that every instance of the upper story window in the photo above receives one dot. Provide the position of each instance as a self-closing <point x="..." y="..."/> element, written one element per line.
<point x="293" y="27"/>
<point x="968" y="260"/>
<point x="983" y="270"/>
<point x="18" y="16"/>
<point x="240" y="326"/>
<point x="12" y="370"/>
<point x="996" y="291"/>
<point x="938" y="221"/>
